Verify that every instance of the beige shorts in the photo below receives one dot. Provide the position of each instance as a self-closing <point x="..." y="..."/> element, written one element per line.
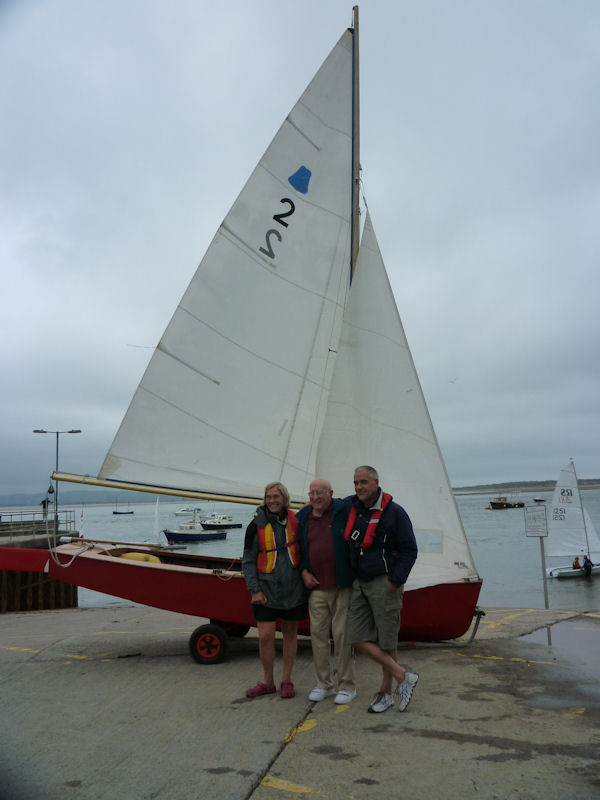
<point x="374" y="614"/>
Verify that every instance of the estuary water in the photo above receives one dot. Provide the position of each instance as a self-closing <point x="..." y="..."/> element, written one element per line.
<point x="508" y="561"/>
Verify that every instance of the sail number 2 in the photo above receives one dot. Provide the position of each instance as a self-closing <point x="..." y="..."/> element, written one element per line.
<point x="274" y="232"/>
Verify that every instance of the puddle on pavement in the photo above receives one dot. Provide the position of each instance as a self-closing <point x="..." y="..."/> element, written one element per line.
<point x="576" y="641"/>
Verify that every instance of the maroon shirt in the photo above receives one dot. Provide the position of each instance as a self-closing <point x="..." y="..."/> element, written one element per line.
<point x="320" y="549"/>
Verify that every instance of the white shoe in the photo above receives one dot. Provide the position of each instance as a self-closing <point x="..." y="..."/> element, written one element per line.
<point x="344" y="697"/>
<point x="318" y="694"/>
<point x="380" y="703"/>
<point x="404" y="690"/>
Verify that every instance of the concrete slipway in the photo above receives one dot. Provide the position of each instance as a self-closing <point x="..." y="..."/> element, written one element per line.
<point x="107" y="703"/>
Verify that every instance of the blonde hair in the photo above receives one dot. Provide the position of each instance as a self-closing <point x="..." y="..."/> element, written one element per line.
<point x="282" y="491"/>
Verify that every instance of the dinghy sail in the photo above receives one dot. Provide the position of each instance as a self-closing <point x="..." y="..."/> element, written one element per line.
<point x="286" y="358"/>
<point x="571" y="532"/>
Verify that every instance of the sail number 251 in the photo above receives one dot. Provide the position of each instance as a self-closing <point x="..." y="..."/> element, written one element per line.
<point x="274" y="232"/>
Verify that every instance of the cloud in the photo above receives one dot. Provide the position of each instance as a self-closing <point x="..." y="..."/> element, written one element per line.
<point x="127" y="136"/>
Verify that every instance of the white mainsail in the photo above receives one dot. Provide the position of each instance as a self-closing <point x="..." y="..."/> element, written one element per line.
<point x="235" y="393"/>
<point x="571" y="532"/>
<point x="377" y="415"/>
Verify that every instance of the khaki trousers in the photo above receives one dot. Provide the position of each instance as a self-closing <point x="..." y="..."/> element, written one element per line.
<point x="329" y="607"/>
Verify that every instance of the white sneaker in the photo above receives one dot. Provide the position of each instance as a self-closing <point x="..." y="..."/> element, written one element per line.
<point x="381" y="702"/>
<point x="344" y="697"/>
<point x="404" y="690"/>
<point x="317" y="694"/>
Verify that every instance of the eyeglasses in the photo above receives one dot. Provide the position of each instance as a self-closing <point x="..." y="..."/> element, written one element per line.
<point x="318" y="492"/>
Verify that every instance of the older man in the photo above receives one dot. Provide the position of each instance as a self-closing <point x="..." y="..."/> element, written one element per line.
<point x="382" y="552"/>
<point x="325" y="570"/>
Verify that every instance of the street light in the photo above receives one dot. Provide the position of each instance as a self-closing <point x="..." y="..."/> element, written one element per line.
<point x="58" y="433"/>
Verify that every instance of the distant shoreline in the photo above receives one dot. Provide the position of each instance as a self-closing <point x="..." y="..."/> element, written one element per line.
<point x="108" y="497"/>
<point x="523" y="486"/>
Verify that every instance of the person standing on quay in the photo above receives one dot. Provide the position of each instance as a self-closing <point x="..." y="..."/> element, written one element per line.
<point x="325" y="570"/>
<point x="44" y="504"/>
<point x="382" y="553"/>
<point x="270" y="566"/>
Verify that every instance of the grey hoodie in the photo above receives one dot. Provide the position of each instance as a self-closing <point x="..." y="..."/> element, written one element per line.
<point x="283" y="587"/>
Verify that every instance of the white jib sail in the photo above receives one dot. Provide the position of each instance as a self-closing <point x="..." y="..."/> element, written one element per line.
<point x="235" y="393"/>
<point x="571" y="532"/>
<point x="377" y="415"/>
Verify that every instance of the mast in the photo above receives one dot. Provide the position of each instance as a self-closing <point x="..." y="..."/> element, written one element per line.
<point x="355" y="225"/>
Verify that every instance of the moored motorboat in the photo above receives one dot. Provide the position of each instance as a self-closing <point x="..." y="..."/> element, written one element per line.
<point x="186" y="511"/>
<point x="193" y="536"/>
<point x="191" y="532"/>
<point x="218" y="522"/>
<point x="504" y="502"/>
<point x="194" y="530"/>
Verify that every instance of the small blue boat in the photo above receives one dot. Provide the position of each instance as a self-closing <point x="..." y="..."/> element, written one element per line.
<point x="200" y="535"/>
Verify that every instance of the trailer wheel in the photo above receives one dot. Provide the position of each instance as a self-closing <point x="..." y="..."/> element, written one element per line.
<point x="208" y="644"/>
<point x="236" y="629"/>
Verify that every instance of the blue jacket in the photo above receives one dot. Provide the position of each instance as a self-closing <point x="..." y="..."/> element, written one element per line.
<point x="340" y="548"/>
<point x="394" y="548"/>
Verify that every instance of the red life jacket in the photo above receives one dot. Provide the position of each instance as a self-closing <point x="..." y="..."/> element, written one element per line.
<point x="267" y="550"/>
<point x="372" y="524"/>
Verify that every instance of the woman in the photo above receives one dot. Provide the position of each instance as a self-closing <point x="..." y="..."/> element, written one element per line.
<point x="270" y="565"/>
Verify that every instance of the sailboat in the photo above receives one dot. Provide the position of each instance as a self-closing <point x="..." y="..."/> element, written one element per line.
<point x="118" y="510"/>
<point x="286" y="359"/>
<point x="571" y="532"/>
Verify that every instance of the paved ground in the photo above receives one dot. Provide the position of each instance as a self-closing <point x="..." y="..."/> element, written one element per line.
<point x="107" y="703"/>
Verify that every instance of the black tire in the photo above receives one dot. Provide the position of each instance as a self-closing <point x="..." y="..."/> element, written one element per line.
<point x="209" y="644"/>
<point x="235" y="629"/>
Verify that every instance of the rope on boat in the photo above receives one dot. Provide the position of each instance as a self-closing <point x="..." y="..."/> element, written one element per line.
<point x="85" y="546"/>
<point x="59" y="563"/>
<point x="53" y="547"/>
<point x="219" y="572"/>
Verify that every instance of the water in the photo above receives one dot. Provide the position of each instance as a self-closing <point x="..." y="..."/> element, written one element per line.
<point x="142" y="526"/>
<point x="507" y="560"/>
<point x="510" y="562"/>
<point x="146" y="524"/>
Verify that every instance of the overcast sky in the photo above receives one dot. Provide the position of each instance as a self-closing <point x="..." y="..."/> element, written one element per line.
<point x="128" y="127"/>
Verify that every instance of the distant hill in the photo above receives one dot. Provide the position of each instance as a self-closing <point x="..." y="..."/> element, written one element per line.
<point x="87" y="496"/>
<point x="522" y="486"/>
<point x="78" y="497"/>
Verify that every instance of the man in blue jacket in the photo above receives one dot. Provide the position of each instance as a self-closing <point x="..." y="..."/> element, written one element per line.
<point x="325" y="570"/>
<point x="382" y="552"/>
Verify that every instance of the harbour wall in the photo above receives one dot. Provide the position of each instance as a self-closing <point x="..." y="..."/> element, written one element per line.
<point x="33" y="591"/>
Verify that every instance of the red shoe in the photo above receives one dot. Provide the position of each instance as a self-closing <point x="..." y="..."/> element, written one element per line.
<point x="260" y="689"/>
<point x="287" y="689"/>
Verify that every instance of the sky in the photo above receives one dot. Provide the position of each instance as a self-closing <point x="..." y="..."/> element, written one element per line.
<point x="128" y="128"/>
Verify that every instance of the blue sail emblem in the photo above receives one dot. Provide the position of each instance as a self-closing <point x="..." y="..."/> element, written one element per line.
<point x="300" y="179"/>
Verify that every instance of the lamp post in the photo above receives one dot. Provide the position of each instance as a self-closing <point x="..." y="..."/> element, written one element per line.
<point x="58" y="433"/>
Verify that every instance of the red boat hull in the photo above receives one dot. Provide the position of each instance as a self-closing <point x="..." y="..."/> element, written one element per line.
<point x="216" y="589"/>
